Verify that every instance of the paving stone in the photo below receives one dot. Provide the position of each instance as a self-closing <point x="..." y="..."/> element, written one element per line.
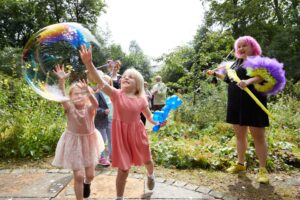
<point x="179" y="183"/>
<point x="160" y="180"/>
<point x="203" y="189"/>
<point x="229" y="197"/>
<point x="191" y="187"/>
<point x="53" y="170"/>
<point x="166" y="191"/>
<point x="5" y="171"/>
<point x="22" y="198"/>
<point x="58" y="184"/>
<point x="216" y="194"/>
<point x="169" y="181"/>
<point x="18" y="171"/>
<point x="65" y="171"/>
<point x="138" y="176"/>
<point x="103" y="186"/>
<point x="29" y="185"/>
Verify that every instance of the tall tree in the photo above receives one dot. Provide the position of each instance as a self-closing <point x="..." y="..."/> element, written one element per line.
<point x="274" y="23"/>
<point x="20" y="19"/>
<point x="137" y="59"/>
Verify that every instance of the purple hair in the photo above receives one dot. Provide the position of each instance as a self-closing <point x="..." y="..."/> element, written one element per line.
<point x="250" y="41"/>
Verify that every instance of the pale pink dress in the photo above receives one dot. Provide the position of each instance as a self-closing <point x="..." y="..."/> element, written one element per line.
<point x="81" y="144"/>
<point x="130" y="144"/>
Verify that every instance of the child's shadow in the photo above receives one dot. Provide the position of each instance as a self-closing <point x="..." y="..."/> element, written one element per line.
<point x="248" y="189"/>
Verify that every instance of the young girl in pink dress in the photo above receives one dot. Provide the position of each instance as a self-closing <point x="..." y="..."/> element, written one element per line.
<point x="130" y="144"/>
<point x="80" y="145"/>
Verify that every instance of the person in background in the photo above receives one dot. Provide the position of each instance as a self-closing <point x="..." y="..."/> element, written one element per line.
<point x="102" y="124"/>
<point x="110" y="107"/>
<point x="113" y="69"/>
<point x="149" y="97"/>
<point x="159" y="92"/>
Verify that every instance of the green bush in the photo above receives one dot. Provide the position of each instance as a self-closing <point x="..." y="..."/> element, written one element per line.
<point x="29" y="125"/>
<point x="206" y="106"/>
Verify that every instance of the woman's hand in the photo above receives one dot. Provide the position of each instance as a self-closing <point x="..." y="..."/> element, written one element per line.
<point x="59" y="71"/>
<point x="210" y="72"/>
<point x="243" y="83"/>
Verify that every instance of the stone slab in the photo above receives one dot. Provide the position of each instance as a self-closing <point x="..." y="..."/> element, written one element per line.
<point x="103" y="187"/>
<point x="165" y="191"/>
<point x="32" y="185"/>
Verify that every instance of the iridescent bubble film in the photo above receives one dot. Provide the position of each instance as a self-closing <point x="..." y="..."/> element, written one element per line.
<point x="52" y="45"/>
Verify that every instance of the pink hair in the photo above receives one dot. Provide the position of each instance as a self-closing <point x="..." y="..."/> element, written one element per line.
<point x="250" y="41"/>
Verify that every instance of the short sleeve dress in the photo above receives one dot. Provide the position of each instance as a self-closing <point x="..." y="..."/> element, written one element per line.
<point x="81" y="144"/>
<point x="241" y="108"/>
<point x="130" y="143"/>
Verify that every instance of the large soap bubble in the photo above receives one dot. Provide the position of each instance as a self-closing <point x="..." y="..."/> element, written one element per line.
<point x="52" y="45"/>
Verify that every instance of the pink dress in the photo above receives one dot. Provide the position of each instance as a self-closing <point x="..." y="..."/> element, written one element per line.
<point x="81" y="144"/>
<point x="130" y="144"/>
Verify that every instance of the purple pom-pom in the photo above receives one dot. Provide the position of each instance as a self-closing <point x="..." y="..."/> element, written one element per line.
<point x="273" y="67"/>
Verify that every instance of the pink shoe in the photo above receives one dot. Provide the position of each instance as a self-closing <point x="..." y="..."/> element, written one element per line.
<point x="104" y="162"/>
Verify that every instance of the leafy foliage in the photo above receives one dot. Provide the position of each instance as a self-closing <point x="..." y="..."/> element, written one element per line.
<point x="28" y="16"/>
<point x="30" y="126"/>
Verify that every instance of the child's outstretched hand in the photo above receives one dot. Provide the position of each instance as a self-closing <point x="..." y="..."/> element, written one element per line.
<point x="84" y="87"/>
<point x="86" y="55"/>
<point x="163" y="123"/>
<point x="59" y="71"/>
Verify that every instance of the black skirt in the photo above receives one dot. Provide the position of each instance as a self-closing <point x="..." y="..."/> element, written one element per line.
<point x="241" y="108"/>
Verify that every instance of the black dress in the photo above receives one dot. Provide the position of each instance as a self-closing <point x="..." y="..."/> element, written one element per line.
<point x="241" y="108"/>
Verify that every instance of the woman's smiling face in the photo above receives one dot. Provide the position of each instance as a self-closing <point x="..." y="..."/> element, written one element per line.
<point x="244" y="49"/>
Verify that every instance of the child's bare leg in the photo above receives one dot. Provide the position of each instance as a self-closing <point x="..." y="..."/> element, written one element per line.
<point x="150" y="176"/>
<point x="89" y="174"/>
<point x="121" y="181"/>
<point x="150" y="167"/>
<point x="78" y="183"/>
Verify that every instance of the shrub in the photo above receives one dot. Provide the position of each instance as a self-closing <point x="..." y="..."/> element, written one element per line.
<point x="30" y="126"/>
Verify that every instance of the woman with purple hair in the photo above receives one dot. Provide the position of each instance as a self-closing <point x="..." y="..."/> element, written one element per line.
<point x="242" y="111"/>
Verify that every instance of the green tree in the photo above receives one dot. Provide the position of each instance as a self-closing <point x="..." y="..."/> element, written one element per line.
<point x="137" y="59"/>
<point x="274" y="23"/>
<point x="28" y="16"/>
<point x="177" y="63"/>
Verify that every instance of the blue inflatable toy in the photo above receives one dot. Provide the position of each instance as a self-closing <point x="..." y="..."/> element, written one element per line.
<point x="172" y="103"/>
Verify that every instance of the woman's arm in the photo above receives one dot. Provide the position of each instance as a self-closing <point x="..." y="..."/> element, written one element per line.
<point x="244" y="83"/>
<point x="216" y="74"/>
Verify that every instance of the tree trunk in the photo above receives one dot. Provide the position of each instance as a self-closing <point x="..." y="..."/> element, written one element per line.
<point x="278" y="12"/>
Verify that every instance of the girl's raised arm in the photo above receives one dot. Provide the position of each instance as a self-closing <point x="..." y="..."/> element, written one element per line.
<point x="62" y="76"/>
<point x="89" y="91"/>
<point x="86" y="57"/>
